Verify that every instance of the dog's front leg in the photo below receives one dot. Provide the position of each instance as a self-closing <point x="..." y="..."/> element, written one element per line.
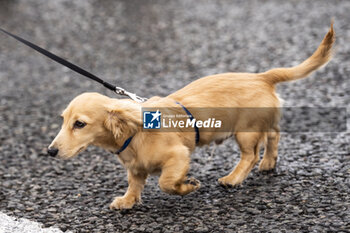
<point x="173" y="179"/>
<point x="133" y="194"/>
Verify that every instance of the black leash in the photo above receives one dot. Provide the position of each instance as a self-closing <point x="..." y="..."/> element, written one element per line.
<point x="76" y="68"/>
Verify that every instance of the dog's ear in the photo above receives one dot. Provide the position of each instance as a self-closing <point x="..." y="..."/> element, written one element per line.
<point x="123" y="119"/>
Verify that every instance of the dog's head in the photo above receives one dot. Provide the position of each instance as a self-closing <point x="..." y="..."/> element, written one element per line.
<point x="95" y="119"/>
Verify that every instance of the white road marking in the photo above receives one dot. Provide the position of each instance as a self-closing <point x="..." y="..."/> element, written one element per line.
<point x="10" y="224"/>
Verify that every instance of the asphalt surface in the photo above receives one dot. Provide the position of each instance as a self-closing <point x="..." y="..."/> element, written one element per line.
<point x="154" y="48"/>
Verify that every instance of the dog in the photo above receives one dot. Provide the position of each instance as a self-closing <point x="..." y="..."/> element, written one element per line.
<point x="116" y="125"/>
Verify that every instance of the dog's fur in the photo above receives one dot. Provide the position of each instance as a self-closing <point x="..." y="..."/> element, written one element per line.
<point x="109" y="122"/>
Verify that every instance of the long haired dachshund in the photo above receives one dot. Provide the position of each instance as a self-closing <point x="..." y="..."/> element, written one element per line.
<point x="116" y="125"/>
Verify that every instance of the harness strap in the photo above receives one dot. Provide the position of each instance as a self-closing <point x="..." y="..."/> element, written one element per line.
<point x="127" y="141"/>
<point x="191" y="117"/>
<point x="125" y="145"/>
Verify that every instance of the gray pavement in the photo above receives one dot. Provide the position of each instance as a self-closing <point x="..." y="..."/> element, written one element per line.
<point x="154" y="48"/>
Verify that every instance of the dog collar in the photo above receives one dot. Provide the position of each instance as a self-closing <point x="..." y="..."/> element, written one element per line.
<point x="125" y="145"/>
<point x="191" y="118"/>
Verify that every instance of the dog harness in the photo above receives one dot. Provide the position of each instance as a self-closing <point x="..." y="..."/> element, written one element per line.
<point x="191" y="118"/>
<point x="127" y="141"/>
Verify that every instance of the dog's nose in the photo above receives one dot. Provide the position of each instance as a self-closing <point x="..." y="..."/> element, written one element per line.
<point x="52" y="151"/>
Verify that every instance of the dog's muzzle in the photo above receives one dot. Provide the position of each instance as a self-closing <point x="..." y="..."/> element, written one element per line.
<point x="52" y="151"/>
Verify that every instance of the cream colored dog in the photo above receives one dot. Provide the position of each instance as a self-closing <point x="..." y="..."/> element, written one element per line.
<point x="94" y="119"/>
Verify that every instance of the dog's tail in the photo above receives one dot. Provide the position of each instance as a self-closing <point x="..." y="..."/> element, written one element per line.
<point x="320" y="57"/>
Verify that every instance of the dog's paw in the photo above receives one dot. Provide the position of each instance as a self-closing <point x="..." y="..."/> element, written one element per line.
<point x="120" y="203"/>
<point x="188" y="186"/>
<point x="227" y="182"/>
<point x="267" y="165"/>
<point x="193" y="181"/>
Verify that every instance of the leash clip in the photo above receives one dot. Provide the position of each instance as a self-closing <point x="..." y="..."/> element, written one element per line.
<point x="133" y="96"/>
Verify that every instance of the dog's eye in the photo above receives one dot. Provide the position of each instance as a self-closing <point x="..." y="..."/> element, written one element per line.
<point x="79" y="124"/>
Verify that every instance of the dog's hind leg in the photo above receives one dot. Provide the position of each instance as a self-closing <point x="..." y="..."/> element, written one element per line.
<point x="133" y="194"/>
<point x="249" y="143"/>
<point x="173" y="179"/>
<point x="271" y="151"/>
